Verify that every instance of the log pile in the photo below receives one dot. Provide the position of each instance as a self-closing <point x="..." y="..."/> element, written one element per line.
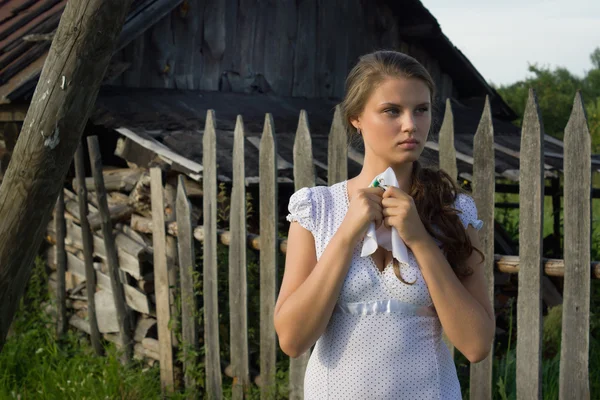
<point x="128" y="197"/>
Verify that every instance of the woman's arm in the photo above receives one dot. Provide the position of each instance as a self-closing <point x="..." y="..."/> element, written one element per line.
<point x="463" y="305"/>
<point x="310" y="289"/>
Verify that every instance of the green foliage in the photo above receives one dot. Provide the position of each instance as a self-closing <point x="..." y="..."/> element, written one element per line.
<point x="555" y="91"/>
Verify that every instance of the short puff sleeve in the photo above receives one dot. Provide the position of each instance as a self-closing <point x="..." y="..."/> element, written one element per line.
<point x="301" y="209"/>
<point x="467" y="211"/>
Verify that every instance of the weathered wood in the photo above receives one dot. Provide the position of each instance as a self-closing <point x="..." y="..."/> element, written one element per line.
<point x="447" y="152"/>
<point x="146" y="327"/>
<point x="60" y="108"/>
<point x="326" y="49"/>
<point x="116" y="213"/>
<point x="210" y="267"/>
<point x="189" y="326"/>
<point x="172" y="258"/>
<point x="337" y="150"/>
<point x="575" y="345"/>
<point x="135" y="154"/>
<point x="305" y="50"/>
<point x="531" y="229"/>
<point x="304" y="176"/>
<point x="185" y="23"/>
<point x="106" y="312"/>
<point x="88" y="250"/>
<point x="123" y="179"/>
<point x="248" y="25"/>
<point x="483" y="194"/>
<point x="111" y="250"/>
<point x="447" y="160"/>
<point x="280" y="40"/>
<point x="238" y="289"/>
<point x="132" y="255"/>
<point x="213" y="44"/>
<point x="161" y="282"/>
<point x="268" y="259"/>
<point x="61" y="265"/>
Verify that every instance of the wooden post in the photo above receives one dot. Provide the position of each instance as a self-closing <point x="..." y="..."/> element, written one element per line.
<point x="238" y="289"/>
<point x="161" y="281"/>
<point x="483" y="194"/>
<point x="304" y="176"/>
<point x="531" y="230"/>
<point x="88" y="250"/>
<point x="125" y="326"/>
<point x="575" y="342"/>
<point x="337" y="149"/>
<point x="447" y="152"/>
<point x="214" y="390"/>
<point x="447" y="160"/>
<point x="61" y="265"/>
<point x="189" y="325"/>
<point x="268" y="259"/>
<point x="60" y="107"/>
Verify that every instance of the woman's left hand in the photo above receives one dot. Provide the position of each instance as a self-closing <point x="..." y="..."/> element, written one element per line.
<point x="400" y="212"/>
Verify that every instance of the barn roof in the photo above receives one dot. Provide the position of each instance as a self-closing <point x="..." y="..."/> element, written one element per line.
<point x="25" y="26"/>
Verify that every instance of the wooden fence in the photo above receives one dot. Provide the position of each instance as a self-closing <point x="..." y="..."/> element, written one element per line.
<point x="576" y="267"/>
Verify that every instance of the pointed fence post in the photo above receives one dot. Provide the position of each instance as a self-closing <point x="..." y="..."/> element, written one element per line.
<point x="304" y="176"/>
<point x="337" y="149"/>
<point x="268" y="259"/>
<point x="214" y="389"/>
<point x="483" y="194"/>
<point x="447" y="160"/>
<point x="531" y="229"/>
<point x="238" y="289"/>
<point x="575" y="342"/>
<point x="447" y="150"/>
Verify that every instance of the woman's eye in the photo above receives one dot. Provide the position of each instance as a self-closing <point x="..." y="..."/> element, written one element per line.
<point x="391" y="111"/>
<point x="422" y="110"/>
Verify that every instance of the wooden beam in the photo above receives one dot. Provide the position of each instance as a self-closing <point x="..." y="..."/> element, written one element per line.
<point x="60" y="108"/>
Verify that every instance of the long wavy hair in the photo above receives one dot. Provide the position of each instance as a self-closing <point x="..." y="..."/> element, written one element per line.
<point x="433" y="190"/>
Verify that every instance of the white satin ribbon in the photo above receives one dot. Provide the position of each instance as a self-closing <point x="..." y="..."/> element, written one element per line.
<point x="385" y="307"/>
<point x="388" y="238"/>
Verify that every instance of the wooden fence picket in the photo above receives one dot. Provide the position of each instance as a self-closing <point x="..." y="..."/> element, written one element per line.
<point x="304" y="176"/>
<point x="531" y="229"/>
<point x="483" y="194"/>
<point x="238" y="289"/>
<point x="268" y="258"/>
<point x="575" y="343"/>
<point x="214" y="389"/>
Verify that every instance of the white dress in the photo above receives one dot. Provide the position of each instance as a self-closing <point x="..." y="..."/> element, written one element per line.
<point x="384" y="339"/>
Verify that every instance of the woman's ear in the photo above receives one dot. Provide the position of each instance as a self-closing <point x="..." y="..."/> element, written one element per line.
<point x="355" y="123"/>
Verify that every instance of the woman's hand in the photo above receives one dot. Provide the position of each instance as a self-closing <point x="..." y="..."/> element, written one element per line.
<point x="365" y="207"/>
<point x="400" y="212"/>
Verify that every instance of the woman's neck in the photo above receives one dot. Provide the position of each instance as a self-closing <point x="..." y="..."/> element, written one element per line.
<point x="369" y="172"/>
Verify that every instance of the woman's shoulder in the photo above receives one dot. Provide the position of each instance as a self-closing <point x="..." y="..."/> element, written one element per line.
<point x="467" y="208"/>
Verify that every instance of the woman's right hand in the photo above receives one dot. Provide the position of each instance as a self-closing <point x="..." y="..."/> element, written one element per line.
<point x="365" y="207"/>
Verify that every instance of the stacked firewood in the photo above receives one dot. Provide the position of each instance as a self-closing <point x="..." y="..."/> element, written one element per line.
<point x="128" y="195"/>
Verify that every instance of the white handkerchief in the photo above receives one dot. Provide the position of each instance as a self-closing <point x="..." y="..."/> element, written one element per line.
<point x="388" y="238"/>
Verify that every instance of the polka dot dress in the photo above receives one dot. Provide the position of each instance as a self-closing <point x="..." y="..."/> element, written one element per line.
<point x="384" y="339"/>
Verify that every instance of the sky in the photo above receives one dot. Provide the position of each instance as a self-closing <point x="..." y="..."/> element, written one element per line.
<point x="502" y="37"/>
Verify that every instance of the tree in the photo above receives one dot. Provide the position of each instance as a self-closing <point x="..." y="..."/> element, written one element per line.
<point x="555" y="91"/>
<point x="63" y="99"/>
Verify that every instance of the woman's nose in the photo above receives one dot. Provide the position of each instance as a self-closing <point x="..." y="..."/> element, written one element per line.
<point x="408" y="122"/>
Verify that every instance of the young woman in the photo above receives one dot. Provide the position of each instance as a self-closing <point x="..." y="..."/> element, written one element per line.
<point x="377" y="323"/>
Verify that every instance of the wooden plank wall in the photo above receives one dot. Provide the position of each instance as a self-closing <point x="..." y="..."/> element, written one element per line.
<point x="288" y="47"/>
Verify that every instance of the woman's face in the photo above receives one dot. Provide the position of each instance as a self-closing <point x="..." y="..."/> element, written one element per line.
<point x="396" y="119"/>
